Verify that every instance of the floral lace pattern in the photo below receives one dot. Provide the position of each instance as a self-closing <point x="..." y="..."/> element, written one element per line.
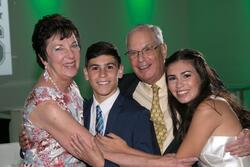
<point x="46" y="151"/>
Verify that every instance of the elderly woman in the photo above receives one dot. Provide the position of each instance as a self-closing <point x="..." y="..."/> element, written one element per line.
<point x="54" y="108"/>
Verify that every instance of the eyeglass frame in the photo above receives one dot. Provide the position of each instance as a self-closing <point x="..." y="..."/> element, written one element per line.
<point x="142" y="51"/>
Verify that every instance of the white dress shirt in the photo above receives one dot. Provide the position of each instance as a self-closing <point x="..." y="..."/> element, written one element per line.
<point x="105" y="106"/>
<point x="144" y="95"/>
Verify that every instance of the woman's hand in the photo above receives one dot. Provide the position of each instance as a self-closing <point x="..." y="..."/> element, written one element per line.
<point x="170" y="160"/>
<point x="92" y="155"/>
<point x="112" y="143"/>
<point x="24" y="141"/>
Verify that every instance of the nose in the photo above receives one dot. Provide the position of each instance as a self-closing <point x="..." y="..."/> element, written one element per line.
<point x="179" y="83"/>
<point x="70" y="53"/>
<point x="140" y="56"/>
<point x="102" y="72"/>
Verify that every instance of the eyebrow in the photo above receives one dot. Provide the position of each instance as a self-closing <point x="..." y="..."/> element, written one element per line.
<point x="186" y="72"/>
<point x="91" y="65"/>
<point x="181" y="73"/>
<point x="147" y="45"/>
<point x="60" y="44"/>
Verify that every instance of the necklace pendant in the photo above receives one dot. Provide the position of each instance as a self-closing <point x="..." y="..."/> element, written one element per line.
<point x="46" y="75"/>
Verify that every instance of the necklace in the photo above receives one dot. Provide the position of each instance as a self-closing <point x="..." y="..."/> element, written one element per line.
<point x="60" y="96"/>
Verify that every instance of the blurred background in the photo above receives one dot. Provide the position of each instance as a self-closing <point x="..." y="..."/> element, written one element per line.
<point x="219" y="29"/>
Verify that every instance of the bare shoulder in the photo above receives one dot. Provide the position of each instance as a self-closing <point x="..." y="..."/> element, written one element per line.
<point x="216" y="104"/>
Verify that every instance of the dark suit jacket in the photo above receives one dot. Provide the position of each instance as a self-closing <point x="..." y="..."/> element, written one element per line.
<point x="131" y="122"/>
<point x="127" y="85"/>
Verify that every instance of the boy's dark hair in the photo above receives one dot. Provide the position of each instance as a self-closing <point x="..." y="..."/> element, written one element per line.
<point x="102" y="48"/>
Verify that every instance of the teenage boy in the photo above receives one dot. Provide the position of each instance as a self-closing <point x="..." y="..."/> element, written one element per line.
<point x="109" y="111"/>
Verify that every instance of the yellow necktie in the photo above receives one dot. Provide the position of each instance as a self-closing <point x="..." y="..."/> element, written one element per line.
<point x="158" y="118"/>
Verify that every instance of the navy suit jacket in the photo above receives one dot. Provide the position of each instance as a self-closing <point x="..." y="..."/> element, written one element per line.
<point x="128" y="90"/>
<point x="130" y="121"/>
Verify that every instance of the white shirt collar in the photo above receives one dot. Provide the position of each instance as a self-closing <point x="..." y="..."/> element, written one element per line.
<point x="105" y="106"/>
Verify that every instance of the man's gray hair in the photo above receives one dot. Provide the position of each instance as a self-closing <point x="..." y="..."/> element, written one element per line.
<point x="155" y="29"/>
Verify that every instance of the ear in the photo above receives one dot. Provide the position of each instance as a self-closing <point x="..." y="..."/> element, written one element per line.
<point x="164" y="50"/>
<point x="45" y="63"/>
<point x="85" y="72"/>
<point x="120" y="71"/>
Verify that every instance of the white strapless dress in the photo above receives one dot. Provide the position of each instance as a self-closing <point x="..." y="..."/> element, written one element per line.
<point x="213" y="154"/>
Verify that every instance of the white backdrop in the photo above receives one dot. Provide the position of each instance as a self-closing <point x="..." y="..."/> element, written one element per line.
<point x="5" y="49"/>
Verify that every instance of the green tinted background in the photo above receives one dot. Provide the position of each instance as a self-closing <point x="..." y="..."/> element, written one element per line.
<point x="219" y="29"/>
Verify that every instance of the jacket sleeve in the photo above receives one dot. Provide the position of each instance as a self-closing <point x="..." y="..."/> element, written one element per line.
<point x="108" y="163"/>
<point x="144" y="134"/>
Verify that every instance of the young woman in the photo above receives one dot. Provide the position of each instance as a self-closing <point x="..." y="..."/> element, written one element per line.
<point x="210" y="116"/>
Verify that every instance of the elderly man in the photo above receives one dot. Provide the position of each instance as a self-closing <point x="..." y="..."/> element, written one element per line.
<point x="147" y="52"/>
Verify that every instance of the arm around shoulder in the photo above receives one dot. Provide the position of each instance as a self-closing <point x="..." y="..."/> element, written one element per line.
<point x="59" y="123"/>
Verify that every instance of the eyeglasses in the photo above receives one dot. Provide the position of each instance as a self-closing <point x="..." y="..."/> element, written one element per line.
<point x="147" y="50"/>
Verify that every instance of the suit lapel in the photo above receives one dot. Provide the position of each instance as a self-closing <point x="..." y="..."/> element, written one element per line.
<point x="113" y="118"/>
<point x="87" y="113"/>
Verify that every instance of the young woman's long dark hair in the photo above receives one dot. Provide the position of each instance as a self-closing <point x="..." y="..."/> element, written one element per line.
<point x="210" y="85"/>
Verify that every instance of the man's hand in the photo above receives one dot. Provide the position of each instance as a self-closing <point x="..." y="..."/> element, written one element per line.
<point x="241" y="146"/>
<point x="111" y="143"/>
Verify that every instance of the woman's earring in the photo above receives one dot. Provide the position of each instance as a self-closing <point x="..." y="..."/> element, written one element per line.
<point x="46" y="74"/>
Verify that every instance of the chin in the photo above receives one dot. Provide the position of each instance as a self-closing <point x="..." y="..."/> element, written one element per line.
<point x="71" y="75"/>
<point x="72" y="72"/>
<point x="185" y="101"/>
